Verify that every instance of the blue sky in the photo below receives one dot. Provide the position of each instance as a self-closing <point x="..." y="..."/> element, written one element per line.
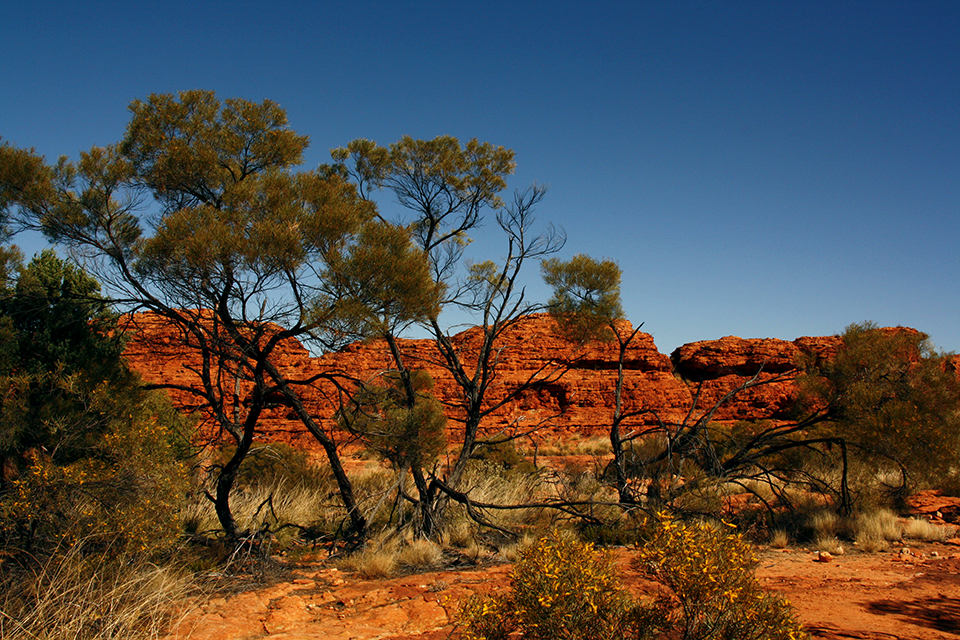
<point x="761" y="169"/>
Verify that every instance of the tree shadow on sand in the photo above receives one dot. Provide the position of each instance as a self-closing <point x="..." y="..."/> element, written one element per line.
<point x="942" y="614"/>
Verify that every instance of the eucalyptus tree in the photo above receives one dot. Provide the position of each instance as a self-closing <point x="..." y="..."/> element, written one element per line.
<point x="587" y="307"/>
<point x="446" y="190"/>
<point x="200" y="215"/>
<point x="586" y="304"/>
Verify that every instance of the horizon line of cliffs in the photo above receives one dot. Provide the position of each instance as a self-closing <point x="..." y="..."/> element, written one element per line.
<point x="575" y="401"/>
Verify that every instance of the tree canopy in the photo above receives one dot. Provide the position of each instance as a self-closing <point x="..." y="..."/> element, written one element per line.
<point x="201" y="215"/>
<point x="891" y="395"/>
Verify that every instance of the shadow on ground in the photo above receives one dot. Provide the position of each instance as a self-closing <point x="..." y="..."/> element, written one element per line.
<point x="942" y="614"/>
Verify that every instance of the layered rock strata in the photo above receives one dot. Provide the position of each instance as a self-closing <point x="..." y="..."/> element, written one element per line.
<point x="571" y="395"/>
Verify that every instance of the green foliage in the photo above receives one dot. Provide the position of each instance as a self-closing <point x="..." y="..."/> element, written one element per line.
<point x="192" y="149"/>
<point x="25" y="181"/>
<point x="567" y="589"/>
<point x="710" y="591"/>
<point x="386" y="283"/>
<point x="586" y="296"/>
<point x="125" y="492"/>
<point x="445" y="184"/>
<point x="503" y="455"/>
<point x="61" y="351"/>
<point x="455" y="178"/>
<point x="58" y="318"/>
<point x="892" y="396"/>
<point x="407" y="432"/>
<point x="274" y="465"/>
<point x="560" y="589"/>
<point x="243" y="251"/>
<point x="86" y="453"/>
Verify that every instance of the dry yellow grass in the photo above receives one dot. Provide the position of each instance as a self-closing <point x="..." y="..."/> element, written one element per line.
<point x="779" y="539"/>
<point x="874" y="530"/>
<point x="920" y="529"/>
<point x="76" y="596"/>
<point x="419" y="555"/>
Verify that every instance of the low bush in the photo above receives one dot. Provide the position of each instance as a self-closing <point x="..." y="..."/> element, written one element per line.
<point x="709" y="587"/>
<point x="560" y="589"/>
<point x="568" y="589"/>
<point x="126" y="491"/>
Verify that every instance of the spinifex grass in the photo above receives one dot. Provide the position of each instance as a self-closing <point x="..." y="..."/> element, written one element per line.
<point x="76" y="596"/>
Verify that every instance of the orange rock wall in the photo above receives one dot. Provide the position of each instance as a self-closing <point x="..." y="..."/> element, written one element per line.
<point x="574" y="397"/>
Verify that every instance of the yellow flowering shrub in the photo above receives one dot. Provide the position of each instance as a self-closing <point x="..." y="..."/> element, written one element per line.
<point x="561" y="589"/>
<point x="568" y="590"/>
<point x="126" y="492"/>
<point x="710" y="591"/>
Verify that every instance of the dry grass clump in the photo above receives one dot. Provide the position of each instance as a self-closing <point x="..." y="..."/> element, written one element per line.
<point x="779" y="539"/>
<point x="825" y="524"/>
<point x="386" y="556"/>
<point x="874" y="530"/>
<point x="419" y="555"/>
<point x="102" y="596"/>
<point x="594" y="446"/>
<point x="268" y="507"/>
<point x="920" y="529"/>
<point x="371" y="563"/>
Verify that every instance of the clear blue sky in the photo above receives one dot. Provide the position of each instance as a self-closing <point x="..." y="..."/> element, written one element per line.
<point x="761" y="169"/>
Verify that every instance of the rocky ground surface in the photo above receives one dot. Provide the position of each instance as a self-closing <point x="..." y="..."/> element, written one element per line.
<point x="909" y="592"/>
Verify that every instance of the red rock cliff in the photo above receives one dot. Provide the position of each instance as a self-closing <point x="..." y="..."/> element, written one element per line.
<point x="573" y="397"/>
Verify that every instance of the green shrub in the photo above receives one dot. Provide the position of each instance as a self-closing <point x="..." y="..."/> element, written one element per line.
<point x="126" y="492"/>
<point x="569" y="590"/>
<point x="504" y="455"/>
<point x="273" y="465"/>
<point x="709" y="588"/>
<point x="560" y="589"/>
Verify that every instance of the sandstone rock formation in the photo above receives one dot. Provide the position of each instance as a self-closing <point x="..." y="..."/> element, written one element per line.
<point x="573" y="390"/>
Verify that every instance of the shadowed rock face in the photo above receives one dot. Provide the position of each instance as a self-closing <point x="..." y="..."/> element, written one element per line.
<point x="574" y="399"/>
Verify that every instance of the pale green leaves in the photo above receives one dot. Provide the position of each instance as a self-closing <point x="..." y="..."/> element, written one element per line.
<point x="586" y="296"/>
<point x="889" y="393"/>
<point x="190" y="149"/>
<point x="385" y="282"/>
<point x="25" y="180"/>
<point x="407" y="434"/>
<point x="445" y="184"/>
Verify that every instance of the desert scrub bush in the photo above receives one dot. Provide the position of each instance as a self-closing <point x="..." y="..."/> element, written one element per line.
<point x="126" y="490"/>
<point x="709" y="588"/>
<point x="560" y="589"/>
<point x="505" y="456"/>
<point x="275" y="464"/>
